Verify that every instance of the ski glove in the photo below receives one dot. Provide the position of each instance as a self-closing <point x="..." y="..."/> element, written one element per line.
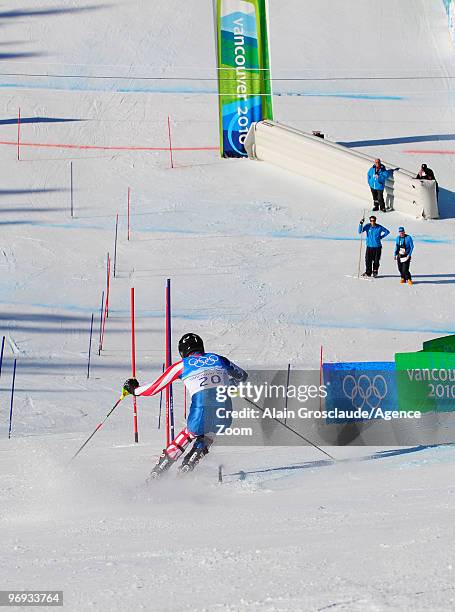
<point x="129" y="387"/>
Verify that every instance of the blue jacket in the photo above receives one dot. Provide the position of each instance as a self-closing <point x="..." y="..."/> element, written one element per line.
<point x="376" y="180"/>
<point x="404" y="243"/>
<point x="374" y="234"/>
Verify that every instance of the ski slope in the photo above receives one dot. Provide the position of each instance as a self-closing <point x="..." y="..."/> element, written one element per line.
<point x="262" y="265"/>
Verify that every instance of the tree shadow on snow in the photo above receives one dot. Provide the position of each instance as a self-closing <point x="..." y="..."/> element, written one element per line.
<point x="37" y="119"/>
<point x="58" y="368"/>
<point x="68" y="329"/>
<point x="11" y="192"/>
<point x="50" y="11"/>
<point x="31" y="209"/>
<point x="35" y="317"/>
<point x="379" y="142"/>
<point x="6" y="18"/>
<point x="18" y="55"/>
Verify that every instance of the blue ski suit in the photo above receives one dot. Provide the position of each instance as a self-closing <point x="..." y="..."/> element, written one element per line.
<point x="201" y="374"/>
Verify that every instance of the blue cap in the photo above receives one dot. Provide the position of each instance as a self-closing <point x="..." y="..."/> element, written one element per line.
<point x="401" y="229"/>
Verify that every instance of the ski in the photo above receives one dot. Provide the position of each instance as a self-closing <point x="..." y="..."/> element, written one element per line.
<point x="188" y="465"/>
<point x="364" y="278"/>
<point x="192" y="460"/>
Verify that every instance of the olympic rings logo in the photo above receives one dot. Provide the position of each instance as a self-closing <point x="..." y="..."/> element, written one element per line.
<point x="365" y="391"/>
<point x="203" y="361"/>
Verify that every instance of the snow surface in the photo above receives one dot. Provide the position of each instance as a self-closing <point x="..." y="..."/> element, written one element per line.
<point x="262" y="265"/>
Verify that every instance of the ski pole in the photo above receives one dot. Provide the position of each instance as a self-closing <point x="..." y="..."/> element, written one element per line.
<point x="292" y="430"/>
<point x="12" y="401"/>
<point x="361" y="247"/>
<point x="161" y="405"/>
<point x="1" y="354"/>
<point x="97" y="427"/>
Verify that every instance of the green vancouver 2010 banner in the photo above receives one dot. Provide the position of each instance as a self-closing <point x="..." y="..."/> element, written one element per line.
<point x="244" y="88"/>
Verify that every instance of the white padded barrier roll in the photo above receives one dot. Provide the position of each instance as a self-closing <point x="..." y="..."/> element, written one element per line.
<point x="338" y="166"/>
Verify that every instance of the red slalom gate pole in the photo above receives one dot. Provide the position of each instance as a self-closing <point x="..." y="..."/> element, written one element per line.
<point x="103" y="327"/>
<point x="19" y="134"/>
<point x="129" y="211"/>
<point x="170" y="140"/>
<point x="133" y="363"/>
<point x="101" y="324"/>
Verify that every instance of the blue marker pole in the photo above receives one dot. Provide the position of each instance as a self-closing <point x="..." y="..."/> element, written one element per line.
<point x="90" y="348"/>
<point x="1" y="354"/>
<point x="12" y="400"/>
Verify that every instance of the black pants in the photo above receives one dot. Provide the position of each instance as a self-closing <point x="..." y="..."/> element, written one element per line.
<point x="378" y="199"/>
<point x="403" y="268"/>
<point x="372" y="259"/>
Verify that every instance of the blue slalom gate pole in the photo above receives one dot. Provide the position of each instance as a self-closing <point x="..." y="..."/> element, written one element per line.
<point x="90" y="348"/>
<point x="1" y="355"/>
<point x="12" y="401"/>
<point x="161" y="406"/>
<point x="169" y="353"/>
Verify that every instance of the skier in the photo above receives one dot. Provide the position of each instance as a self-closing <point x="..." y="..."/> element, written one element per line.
<point x="375" y="233"/>
<point x="404" y="247"/>
<point x="377" y="176"/>
<point x="201" y="374"/>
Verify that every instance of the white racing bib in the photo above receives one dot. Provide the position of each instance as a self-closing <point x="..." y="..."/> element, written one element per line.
<point x="209" y="378"/>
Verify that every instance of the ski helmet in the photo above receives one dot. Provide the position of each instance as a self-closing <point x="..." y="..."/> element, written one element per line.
<point x="190" y="343"/>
